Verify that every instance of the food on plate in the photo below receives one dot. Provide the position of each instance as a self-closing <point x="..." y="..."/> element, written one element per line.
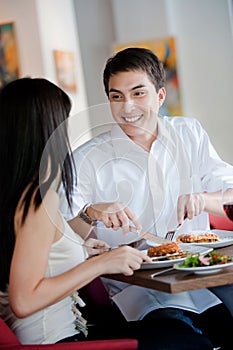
<point x="206" y="260"/>
<point x="164" y="249"/>
<point x="198" y="238"/>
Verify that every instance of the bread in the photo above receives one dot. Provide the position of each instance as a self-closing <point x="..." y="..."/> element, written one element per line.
<point x="198" y="238"/>
<point x="164" y="249"/>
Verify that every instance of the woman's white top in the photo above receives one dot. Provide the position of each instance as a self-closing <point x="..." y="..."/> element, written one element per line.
<point x="57" y="321"/>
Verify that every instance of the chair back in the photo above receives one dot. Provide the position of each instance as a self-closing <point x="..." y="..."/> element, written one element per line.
<point x="8" y="341"/>
<point x="7" y="337"/>
<point x="220" y="223"/>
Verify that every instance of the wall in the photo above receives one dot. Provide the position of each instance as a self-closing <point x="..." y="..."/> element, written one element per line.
<point x="205" y="48"/>
<point x="96" y="31"/>
<point x="27" y="34"/>
<point x="203" y="32"/>
<point x="41" y="27"/>
<point x="58" y="30"/>
<point x="138" y="20"/>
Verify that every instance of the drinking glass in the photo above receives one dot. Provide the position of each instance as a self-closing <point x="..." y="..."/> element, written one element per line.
<point x="227" y="199"/>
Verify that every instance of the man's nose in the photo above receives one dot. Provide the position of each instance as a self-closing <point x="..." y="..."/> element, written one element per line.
<point x="128" y="105"/>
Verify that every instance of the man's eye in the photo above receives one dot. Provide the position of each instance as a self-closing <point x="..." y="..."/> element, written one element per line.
<point x="115" y="97"/>
<point x="139" y="93"/>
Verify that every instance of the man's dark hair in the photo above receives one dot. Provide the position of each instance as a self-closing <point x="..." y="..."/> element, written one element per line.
<point x="135" y="59"/>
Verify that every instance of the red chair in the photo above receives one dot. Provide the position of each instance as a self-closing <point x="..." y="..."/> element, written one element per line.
<point x="8" y="341"/>
<point x="220" y="223"/>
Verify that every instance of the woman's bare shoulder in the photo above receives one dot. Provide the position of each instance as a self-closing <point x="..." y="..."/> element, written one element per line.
<point x="48" y="208"/>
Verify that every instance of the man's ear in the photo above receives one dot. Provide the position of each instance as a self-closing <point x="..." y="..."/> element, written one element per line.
<point x="162" y="95"/>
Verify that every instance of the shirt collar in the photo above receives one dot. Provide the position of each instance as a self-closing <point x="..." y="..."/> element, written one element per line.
<point x="123" y="144"/>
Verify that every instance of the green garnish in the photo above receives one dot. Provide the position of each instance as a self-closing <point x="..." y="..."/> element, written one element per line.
<point x="212" y="258"/>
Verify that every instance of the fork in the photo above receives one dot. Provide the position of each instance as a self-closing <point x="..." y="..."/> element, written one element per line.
<point x="170" y="234"/>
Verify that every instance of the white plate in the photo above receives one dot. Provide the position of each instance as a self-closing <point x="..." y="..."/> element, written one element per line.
<point x="203" y="270"/>
<point x="166" y="263"/>
<point x="226" y="238"/>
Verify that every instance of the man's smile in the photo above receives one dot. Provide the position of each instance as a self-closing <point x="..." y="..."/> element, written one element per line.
<point x="132" y="119"/>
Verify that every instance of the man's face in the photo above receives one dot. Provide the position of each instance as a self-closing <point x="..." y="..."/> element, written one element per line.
<point x="134" y="102"/>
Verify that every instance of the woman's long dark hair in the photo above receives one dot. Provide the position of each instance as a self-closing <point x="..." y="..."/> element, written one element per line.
<point x="33" y="115"/>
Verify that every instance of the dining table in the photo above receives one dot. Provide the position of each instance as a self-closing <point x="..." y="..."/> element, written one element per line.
<point x="174" y="281"/>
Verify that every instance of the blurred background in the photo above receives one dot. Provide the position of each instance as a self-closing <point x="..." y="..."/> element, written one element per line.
<point x="69" y="41"/>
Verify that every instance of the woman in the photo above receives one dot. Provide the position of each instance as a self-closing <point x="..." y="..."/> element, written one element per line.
<point x="42" y="261"/>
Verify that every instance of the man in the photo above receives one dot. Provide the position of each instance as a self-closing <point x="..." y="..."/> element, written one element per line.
<point x="150" y="172"/>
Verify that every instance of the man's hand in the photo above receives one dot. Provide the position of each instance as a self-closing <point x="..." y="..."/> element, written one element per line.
<point x="190" y="205"/>
<point x="114" y="215"/>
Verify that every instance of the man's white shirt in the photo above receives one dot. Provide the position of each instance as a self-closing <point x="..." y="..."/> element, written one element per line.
<point x="111" y="167"/>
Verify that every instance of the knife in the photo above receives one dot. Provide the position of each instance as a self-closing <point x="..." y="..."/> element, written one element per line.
<point x="148" y="236"/>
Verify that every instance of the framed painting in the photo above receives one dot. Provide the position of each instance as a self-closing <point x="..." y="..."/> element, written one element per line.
<point x="164" y="48"/>
<point x="65" y="70"/>
<point x="9" y="62"/>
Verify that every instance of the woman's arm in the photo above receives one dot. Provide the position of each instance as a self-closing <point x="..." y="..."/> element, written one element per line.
<point x="29" y="290"/>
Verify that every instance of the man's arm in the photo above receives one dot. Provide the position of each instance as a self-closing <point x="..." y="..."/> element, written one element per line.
<point x="190" y="205"/>
<point x="82" y="228"/>
<point x="114" y="215"/>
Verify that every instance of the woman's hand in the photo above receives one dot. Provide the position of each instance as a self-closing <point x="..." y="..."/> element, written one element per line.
<point x="95" y="246"/>
<point x="123" y="260"/>
<point x="114" y="215"/>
